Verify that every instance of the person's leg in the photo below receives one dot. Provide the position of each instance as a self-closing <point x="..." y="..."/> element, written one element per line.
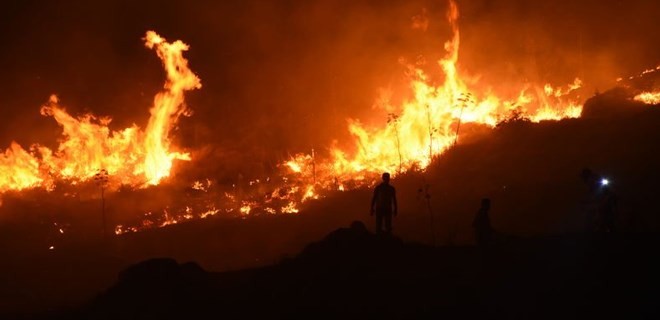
<point x="388" y="223"/>
<point x="481" y="241"/>
<point x="610" y="222"/>
<point x="379" y="223"/>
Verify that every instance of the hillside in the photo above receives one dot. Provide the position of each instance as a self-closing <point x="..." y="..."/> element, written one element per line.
<point x="530" y="171"/>
<point x="352" y="273"/>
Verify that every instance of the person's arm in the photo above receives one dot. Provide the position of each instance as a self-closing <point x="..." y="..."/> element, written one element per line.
<point x="396" y="209"/>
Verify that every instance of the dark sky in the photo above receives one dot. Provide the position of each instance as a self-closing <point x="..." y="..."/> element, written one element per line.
<point x="282" y="76"/>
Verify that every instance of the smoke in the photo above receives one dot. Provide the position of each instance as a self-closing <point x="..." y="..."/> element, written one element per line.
<point x="555" y="41"/>
<point x="283" y="77"/>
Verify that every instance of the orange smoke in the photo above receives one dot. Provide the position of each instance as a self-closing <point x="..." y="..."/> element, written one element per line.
<point x="130" y="156"/>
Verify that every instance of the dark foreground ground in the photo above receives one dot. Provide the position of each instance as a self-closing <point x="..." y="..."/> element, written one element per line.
<point x="352" y="273"/>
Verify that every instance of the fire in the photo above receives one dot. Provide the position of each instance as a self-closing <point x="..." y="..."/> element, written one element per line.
<point x="247" y="207"/>
<point x="20" y="170"/>
<point x="309" y="194"/>
<point x="202" y="186"/>
<point x="417" y="131"/>
<point x="130" y="156"/>
<point x="648" y="97"/>
<point x="641" y="74"/>
<point x="290" y="208"/>
<point x="429" y="122"/>
<point x="294" y="165"/>
<point x="211" y="212"/>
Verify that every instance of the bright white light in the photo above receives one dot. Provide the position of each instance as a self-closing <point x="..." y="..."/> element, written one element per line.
<point x="604" y="182"/>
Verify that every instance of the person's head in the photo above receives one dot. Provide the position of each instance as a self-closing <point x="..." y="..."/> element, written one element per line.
<point x="386" y="177"/>
<point x="586" y="174"/>
<point x="485" y="203"/>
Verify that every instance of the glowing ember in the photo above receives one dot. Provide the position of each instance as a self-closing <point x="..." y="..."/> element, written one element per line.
<point x="309" y="194"/>
<point x="210" y="212"/>
<point x="202" y="186"/>
<point x="643" y="73"/>
<point x="294" y="165"/>
<point x="130" y="156"/>
<point x="290" y="208"/>
<point x="247" y="207"/>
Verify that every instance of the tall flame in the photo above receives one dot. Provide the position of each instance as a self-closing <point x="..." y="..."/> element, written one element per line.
<point x="129" y="156"/>
<point x="429" y="122"/>
<point x="168" y="106"/>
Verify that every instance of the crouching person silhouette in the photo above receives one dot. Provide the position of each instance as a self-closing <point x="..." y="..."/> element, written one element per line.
<point x="384" y="205"/>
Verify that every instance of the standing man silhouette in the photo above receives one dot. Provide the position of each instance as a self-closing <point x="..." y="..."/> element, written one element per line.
<point x="483" y="230"/>
<point x="384" y="205"/>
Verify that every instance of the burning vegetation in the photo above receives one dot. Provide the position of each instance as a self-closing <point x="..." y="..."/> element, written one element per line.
<point x="413" y="133"/>
<point x="130" y="156"/>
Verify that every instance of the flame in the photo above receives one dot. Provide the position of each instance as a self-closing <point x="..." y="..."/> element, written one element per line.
<point x="247" y="207"/>
<point x="168" y="106"/>
<point x="294" y="164"/>
<point x="20" y="170"/>
<point x="428" y="123"/>
<point x="202" y="186"/>
<point x="643" y="73"/>
<point x="309" y="194"/>
<point x="648" y="97"/>
<point x="129" y="156"/>
<point x="290" y="208"/>
<point x="210" y="212"/>
<point x="417" y="131"/>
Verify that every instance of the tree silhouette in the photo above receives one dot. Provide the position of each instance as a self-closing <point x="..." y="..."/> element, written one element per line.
<point x="464" y="100"/>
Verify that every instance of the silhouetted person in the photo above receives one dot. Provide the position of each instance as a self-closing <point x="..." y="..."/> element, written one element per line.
<point x="591" y="179"/>
<point x="590" y="202"/>
<point x="601" y="203"/>
<point x="483" y="231"/>
<point x="607" y="210"/>
<point x="384" y="204"/>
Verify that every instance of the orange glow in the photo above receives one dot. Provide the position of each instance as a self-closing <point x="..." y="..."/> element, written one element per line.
<point x="648" y="97"/>
<point x="130" y="156"/>
<point x="309" y="194"/>
<point x="202" y="186"/>
<point x="290" y="208"/>
<point x="426" y="125"/>
<point x="247" y="207"/>
<point x="411" y="135"/>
